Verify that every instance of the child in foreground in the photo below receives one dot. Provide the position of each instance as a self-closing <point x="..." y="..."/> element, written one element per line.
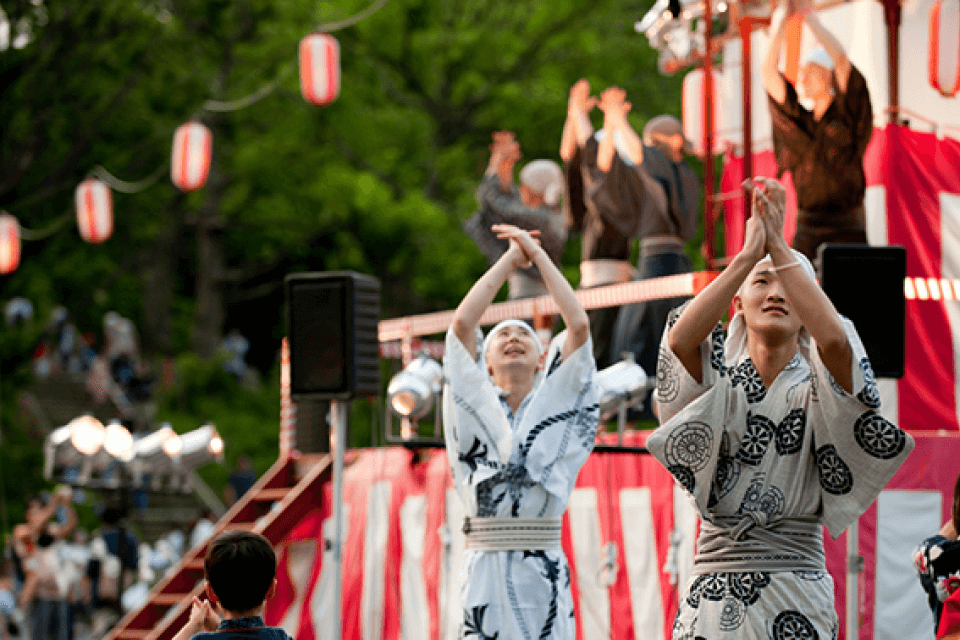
<point x="240" y="569"/>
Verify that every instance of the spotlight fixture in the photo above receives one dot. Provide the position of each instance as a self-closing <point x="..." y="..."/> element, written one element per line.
<point x="414" y="390"/>
<point x="621" y="387"/>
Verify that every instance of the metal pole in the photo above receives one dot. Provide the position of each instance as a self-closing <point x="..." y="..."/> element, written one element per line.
<point x="853" y="578"/>
<point x="708" y="124"/>
<point x="338" y="437"/>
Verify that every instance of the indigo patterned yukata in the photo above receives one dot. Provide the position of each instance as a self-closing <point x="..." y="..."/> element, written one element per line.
<point x="517" y="466"/>
<point x="768" y="468"/>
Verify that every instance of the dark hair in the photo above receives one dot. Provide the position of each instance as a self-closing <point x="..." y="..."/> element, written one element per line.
<point x="956" y="503"/>
<point x="240" y="567"/>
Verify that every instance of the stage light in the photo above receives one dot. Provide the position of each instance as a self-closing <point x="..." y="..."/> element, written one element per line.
<point x="414" y="390"/>
<point x="118" y="442"/>
<point x="149" y="456"/>
<point x="87" y="434"/>
<point x="199" y="447"/>
<point x="621" y="386"/>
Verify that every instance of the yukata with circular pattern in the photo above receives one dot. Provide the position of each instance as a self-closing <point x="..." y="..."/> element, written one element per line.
<point x="768" y="468"/>
<point x="521" y="465"/>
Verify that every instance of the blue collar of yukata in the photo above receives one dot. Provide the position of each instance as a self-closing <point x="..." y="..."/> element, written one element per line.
<point x="250" y="622"/>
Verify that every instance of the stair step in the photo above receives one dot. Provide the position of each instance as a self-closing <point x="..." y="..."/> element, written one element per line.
<point x="271" y="495"/>
<point x="133" y="634"/>
<point x="240" y="526"/>
<point x="169" y="599"/>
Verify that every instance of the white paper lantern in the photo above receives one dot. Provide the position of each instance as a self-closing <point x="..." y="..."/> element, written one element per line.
<point x="319" y="69"/>
<point x="944" y="67"/>
<point x="9" y="243"/>
<point x="692" y="98"/>
<point x="94" y="210"/>
<point x="190" y="164"/>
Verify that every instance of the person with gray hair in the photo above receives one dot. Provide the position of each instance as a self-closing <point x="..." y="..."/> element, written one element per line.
<point x="821" y="130"/>
<point x="534" y="206"/>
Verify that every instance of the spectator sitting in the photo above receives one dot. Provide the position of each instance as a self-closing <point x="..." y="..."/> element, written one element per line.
<point x="241" y="569"/>
<point x="534" y="206"/>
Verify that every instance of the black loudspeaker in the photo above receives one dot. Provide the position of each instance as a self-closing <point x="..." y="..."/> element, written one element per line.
<point x="865" y="284"/>
<point x="332" y="320"/>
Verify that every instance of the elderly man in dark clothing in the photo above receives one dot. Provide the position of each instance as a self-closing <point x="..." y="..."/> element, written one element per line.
<point x="821" y="144"/>
<point x="534" y="206"/>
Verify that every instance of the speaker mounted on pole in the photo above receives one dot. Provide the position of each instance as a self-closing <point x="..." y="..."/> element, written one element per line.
<point x="332" y="322"/>
<point x="865" y="284"/>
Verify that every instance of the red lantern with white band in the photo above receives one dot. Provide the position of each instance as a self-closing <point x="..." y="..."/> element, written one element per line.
<point x="944" y="70"/>
<point x="94" y="210"/>
<point x="319" y="69"/>
<point x="190" y="164"/>
<point x="9" y="243"/>
<point x="692" y="106"/>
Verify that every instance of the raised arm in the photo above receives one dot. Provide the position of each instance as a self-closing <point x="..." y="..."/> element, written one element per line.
<point x="707" y="308"/>
<point x="481" y="294"/>
<point x="577" y="129"/>
<point x="615" y="108"/>
<point x="814" y="309"/>
<point x="832" y="46"/>
<point x="770" y="72"/>
<point x="573" y="314"/>
<point x="504" y="153"/>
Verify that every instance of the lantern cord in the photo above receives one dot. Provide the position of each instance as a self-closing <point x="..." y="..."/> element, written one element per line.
<point x="256" y="96"/>
<point x="123" y="186"/>
<point x="327" y="27"/>
<point x="47" y="231"/>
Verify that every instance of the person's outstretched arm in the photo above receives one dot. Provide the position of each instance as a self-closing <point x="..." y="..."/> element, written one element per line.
<point x="832" y="46"/>
<point x="577" y="129"/>
<point x="814" y="309"/>
<point x="481" y="294"/>
<point x="615" y="108"/>
<point x="707" y="308"/>
<point x="769" y="71"/>
<point x="578" y="325"/>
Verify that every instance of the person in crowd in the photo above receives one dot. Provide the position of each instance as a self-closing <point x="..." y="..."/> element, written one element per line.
<point x="820" y="133"/>
<point x="607" y="229"/>
<point x="46" y="591"/>
<point x="937" y="561"/>
<point x="535" y="205"/>
<point x="241" y="479"/>
<point x="203" y="528"/>
<point x="516" y="436"/>
<point x="775" y="431"/>
<point x="18" y="311"/>
<point x="41" y="511"/>
<point x="235" y="347"/>
<point x="108" y="547"/>
<point x="240" y="569"/>
<point x="651" y="179"/>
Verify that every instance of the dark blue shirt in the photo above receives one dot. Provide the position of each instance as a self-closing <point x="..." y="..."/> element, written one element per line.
<point x="243" y="629"/>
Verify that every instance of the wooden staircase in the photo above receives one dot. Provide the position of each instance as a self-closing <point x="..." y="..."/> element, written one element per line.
<point x="293" y="483"/>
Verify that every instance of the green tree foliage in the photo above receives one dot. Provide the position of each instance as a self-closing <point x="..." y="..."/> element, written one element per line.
<point x="379" y="182"/>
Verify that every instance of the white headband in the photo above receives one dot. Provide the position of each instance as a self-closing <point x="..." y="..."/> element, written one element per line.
<point x="510" y="323"/>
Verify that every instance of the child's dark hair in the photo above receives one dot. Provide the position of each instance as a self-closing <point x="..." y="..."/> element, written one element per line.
<point x="240" y="567"/>
<point x="956" y="504"/>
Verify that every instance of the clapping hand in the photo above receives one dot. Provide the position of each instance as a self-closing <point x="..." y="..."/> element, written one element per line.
<point x="580" y="99"/>
<point x="202" y="615"/>
<point x="523" y="243"/>
<point x="769" y="203"/>
<point x="613" y="103"/>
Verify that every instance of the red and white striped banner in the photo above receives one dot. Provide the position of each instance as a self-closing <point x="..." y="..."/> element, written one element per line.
<point x="628" y="534"/>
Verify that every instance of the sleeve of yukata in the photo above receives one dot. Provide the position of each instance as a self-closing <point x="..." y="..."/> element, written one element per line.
<point x="475" y="429"/>
<point x="558" y="429"/>
<point x="692" y="416"/>
<point x="857" y="450"/>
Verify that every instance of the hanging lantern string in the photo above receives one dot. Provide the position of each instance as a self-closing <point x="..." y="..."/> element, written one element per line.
<point x="256" y="96"/>
<point x="123" y="186"/>
<point x="327" y="27"/>
<point x="47" y="231"/>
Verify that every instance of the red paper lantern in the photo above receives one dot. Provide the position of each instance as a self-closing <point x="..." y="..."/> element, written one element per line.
<point x="944" y="69"/>
<point x="192" y="143"/>
<point x="319" y="69"/>
<point x="9" y="243"/>
<point x="692" y="106"/>
<point x="94" y="210"/>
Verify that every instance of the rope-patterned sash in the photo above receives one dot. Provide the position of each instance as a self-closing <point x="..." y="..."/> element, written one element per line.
<point x="512" y="534"/>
